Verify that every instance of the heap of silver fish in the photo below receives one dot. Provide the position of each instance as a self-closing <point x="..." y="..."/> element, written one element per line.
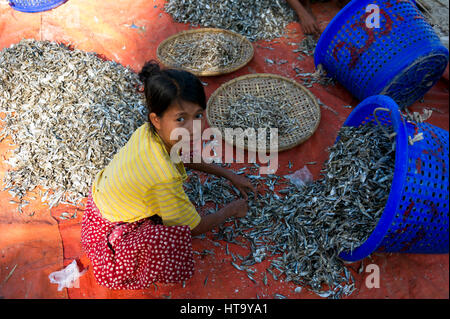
<point x="67" y="112"/>
<point x="208" y="52"/>
<point x="254" y="19"/>
<point x="304" y="230"/>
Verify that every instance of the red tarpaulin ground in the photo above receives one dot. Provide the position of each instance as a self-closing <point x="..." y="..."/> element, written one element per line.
<point x="37" y="242"/>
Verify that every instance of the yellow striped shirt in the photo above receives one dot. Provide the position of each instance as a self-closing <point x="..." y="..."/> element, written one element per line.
<point x="141" y="180"/>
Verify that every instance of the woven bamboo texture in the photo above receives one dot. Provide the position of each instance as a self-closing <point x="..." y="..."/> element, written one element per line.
<point x="243" y="51"/>
<point x="306" y="109"/>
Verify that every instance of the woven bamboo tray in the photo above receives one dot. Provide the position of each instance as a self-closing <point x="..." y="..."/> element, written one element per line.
<point x="244" y="50"/>
<point x="306" y="109"/>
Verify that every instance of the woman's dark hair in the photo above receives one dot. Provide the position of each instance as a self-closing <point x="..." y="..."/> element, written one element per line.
<point x="162" y="87"/>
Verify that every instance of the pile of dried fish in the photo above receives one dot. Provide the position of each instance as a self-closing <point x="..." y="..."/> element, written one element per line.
<point x="307" y="46"/>
<point x="308" y="79"/>
<point x="254" y="19"/>
<point x="67" y="112"/>
<point x="264" y="112"/>
<point x="208" y="52"/>
<point x="306" y="229"/>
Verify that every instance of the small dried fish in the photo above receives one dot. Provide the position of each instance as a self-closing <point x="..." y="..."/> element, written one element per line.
<point x="264" y="280"/>
<point x="307" y="45"/>
<point x="68" y="112"/>
<point x="303" y="232"/>
<point x="10" y="274"/>
<point x="254" y="19"/>
<point x="308" y="78"/>
<point x="207" y="52"/>
<point x="261" y="112"/>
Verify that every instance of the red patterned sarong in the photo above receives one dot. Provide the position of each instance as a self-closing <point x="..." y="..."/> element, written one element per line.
<point x="134" y="255"/>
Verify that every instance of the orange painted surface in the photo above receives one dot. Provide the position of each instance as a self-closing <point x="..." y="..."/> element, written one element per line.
<point x="36" y="242"/>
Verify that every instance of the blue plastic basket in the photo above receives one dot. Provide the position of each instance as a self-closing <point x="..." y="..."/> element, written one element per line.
<point x="35" y="5"/>
<point x="403" y="58"/>
<point x="415" y="218"/>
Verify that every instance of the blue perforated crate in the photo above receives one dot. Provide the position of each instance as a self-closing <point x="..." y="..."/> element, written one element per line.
<point x="35" y="5"/>
<point x="402" y="58"/>
<point x="415" y="218"/>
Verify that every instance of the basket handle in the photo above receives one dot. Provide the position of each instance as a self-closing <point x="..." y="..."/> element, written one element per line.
<point x="390" y="136"/>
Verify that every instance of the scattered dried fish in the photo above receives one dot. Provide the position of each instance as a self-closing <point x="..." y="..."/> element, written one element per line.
<point x="329" y="108"/>
<point x="10" y="274"/>
<point x="254" y="19"/>
<point x="319" y="76"/>
<point x="305" y="231"/>
<point x="262" y="47"/>
<point x="264" y="280"/>
<point x="307" y="45"/>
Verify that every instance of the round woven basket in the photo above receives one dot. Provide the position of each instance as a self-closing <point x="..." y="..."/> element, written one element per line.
<point x="244" y="51"/>
<point x="305" y="107"/>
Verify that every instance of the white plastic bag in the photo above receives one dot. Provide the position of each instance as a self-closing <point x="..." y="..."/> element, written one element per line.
<point x="301" y="177"/>
<point x="68" y="277"/>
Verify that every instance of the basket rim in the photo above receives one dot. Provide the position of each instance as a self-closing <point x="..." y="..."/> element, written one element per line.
<point x="331" y="30"/>
<point x="406" y="65"/>
<point x="207" y="30"/>
<point x="393" y="201"/>
<point x="273" y="76"/>
<point x="34" y="8"/>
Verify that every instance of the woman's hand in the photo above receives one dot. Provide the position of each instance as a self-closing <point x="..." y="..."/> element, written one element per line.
<point x="307" y="21"/>
<point x="242" y="183"/>
<point x="237" y="208"/>
<point x="308" y="24"/>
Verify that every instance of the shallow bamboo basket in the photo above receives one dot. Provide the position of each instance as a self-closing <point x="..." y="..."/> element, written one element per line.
<point x="166" y="48"/>
<point x="306" y="109"/>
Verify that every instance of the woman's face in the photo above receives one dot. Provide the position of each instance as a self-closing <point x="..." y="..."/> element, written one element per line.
<point x="180" y="114"/>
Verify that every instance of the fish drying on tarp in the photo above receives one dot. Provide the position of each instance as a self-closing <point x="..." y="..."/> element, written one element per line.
<point x="67" y="112"/>
<point x="304" y="230"/>
<point x="306" y="46"/>
<point x="254" y="19"/>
